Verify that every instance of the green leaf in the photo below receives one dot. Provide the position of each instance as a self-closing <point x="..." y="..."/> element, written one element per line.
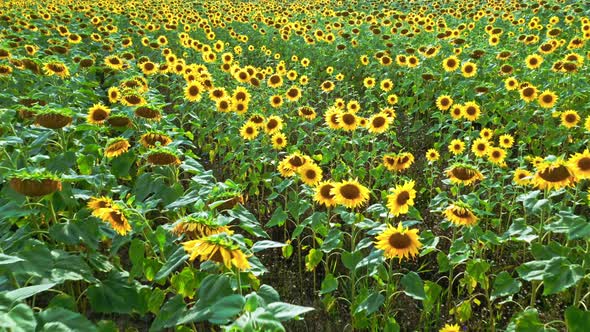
<point x="285" y="311"/>
<point x="370" y="304"/>
<point x="329" y="284"/>
<point x="278" y="218"/>
<point x="504" y="285"/>
<point x="313" y="259"/>
<point x="265" y="244"/>
<point x="178" y="257"/>
<point x="155" y="300"/>
<point x="19" y="318"/>
<point x="136" y="255"/>
<point x="185" y="283"/>
<point x="248" y="221"/>
<point x="413" y="286"/>
<point x="433" y="292"/>
<point x="73" y="320"/>
<point x="226" y="308"/>
<point x="560" y="275"/>
<point x="6" y="259"/>
<point x="332" y="241"/>
<point x="576" y="227"/>
<point x="115" y="294"/>
<point x="527" y="321"/>
<point x="26" y="292"/>
<point x="169" y="314"/>
<point x="577" y="320"/>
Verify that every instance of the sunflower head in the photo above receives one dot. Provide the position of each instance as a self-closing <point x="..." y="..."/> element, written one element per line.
<point x="464" y="174"/>
<point x="163" y="156"/>
<point x="554" y="173"/>
<point x="116" y="147"/>
<point x="398" y="242"/>
<point x="460" y="214"/>
<point x="350" y="193"/>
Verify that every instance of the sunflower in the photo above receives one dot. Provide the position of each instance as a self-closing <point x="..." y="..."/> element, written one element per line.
<point x="522" y="177"/>
<point x="386" y="85"/>
<point x="456" y="147"/>
<point x="293" y="94"/>
<point x="570" y="119"/>
<point x="276" y="101"/>
<point x="249" y="131"/>
<point x="450" y="328"/>
<point x="114" y="94"/>
<point x="460" y="214"/>
<point x="506" y="141"/>
<point x="353" y="106"/>
<point x="528" y="93"/>
<point x="279" y="141"/>
<point x="163" y="156"/>
<point x="273" y="124"/>
<point x="533" y="61"/>
<point x="132" y="98"/>
<point x="580" y="164"/>
<point x="432" y="155"/>
<point x="98" y="114"/>
<point x="116" y="218"/>
<point x="153" y="138"/>
<point x="348" y="121"/>
<point x="332" y="117"/>
<point x="35" y="185"/>
<point x="457" y="111"/>
<point x="116" y="147"/>
<point x="444" y="102"/>
<point x="511" y="83"/>
<point x="451" y="63"/>
<point x="547" y="99"/>
<point x="350" y="193"/>
<point x="398" y="162"/>
<point x="496" y="155"/>
<point x="192" y="91"/>
<point x="323" y="193"/>
<point x="398" y="242"/>
<point x="96" y="204"/>
<point x="469" y="69"/>
<point x="471" y="111"/>
<point x="379" y="123"/>
<point x="218" y="248"/>
<point x="310" y="174"/>
<point x="401" y="199"/>
<point x="195" y="226"/>
<point x="242" y="94"/>
<point x="56" y="68"/>
<point x="327" y="86"/>
<point x="114" y="62"/>
<point x="554" y="175"/>
<point x="217" y="94"/>
<point x="148" y="68"/>
<point x="307" y="112"/>
<point x="464" y="174"/>
<point x="392" y="99"/>
<point x="480" y="147"/>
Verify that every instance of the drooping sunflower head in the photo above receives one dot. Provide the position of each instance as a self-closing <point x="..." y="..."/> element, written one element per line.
<point x="197" y="226"/>
<point x="398" y="242"/>
<point x="154" y="138"/>
<point x="219" y="248"/>
<point x="97" y="203"/>
<point x="460" y="214"/>
<point x="163" y="156"/>
<point x="148" y="113"/>
<point x="464" y="174"/>
<point x="350" y="193"/>
<point x="35" y="183"/>
<point x="116" y="147"/>
<point x="553" y="174"/>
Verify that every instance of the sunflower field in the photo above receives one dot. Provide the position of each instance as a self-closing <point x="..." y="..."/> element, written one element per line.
<point x="263" y="165"/>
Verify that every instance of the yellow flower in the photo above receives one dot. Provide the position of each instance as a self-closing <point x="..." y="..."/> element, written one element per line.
<point x="398" y="242"/>
<point x="547" y="99"/>
<point x="464" y="174"/>
<point x="450" y="328"/>
<point x="451" y="63"/>
<point x="444" y="102"/>
<point x="379" y="123"/>
<point x="432" y="155"/>
<point x="116" y="147"/>
<point x="480" y="147"/>
<point x="471" y="111"/>
<point x="249" y="131"/>
<point x="323" y="193"/>
<point x="522" y="177"/>
<point x="98" y="114"/>
<point x="570" y="119"/>
<point x="460" y="214"/>
<point x="469" y="69"/>
<point x="218" y="248"/>
<point x="506" y="141"/>
<point x="580" y="163"/>
<point x="310" y="173"/>
<point x="553" y="175"/>
<point x="401" y="199"/>
<point x="350" y="193"/>
<point x="456" y="147"/>
<point x="279" y="141"/>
